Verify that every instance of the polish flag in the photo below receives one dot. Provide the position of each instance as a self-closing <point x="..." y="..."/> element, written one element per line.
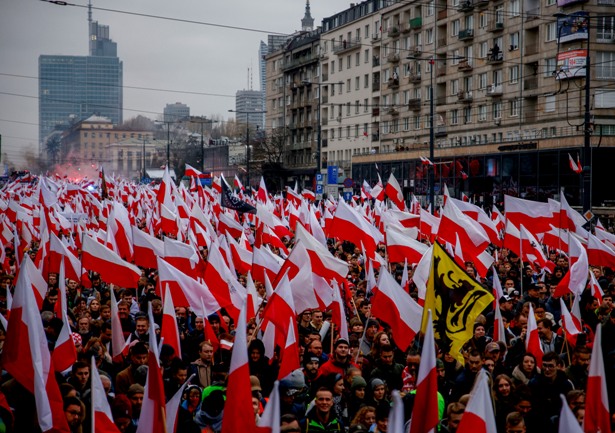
<point x="568" y="423"/>
<point x="118" y="226"/>
<point x="430" y="224"/>
<point x="59" y="253"/>
<point x="323" y="262"/>
<point x="269" y="422"/>
<point x="575" y="165"/>
<point x="170" y="331"/>
<point x="532" y="252"/>
<point x="529" y="213"/>
<point x="190" y="171"/>
<point x="402" y="247"/>
<point x="308" y="195"/>
<point x="421" y="275"/>
<point x="499" y="332"/>
<point x="118" y="343"/>
<point x="425" y="412"/>
<point x="394" y="306"/>
<point x="173" y="405"/>
<point x="109" y="265"/>
<point x="184" y="257"/>
<point x="498" y="219"/>
<point x="349" y="225"/>
<point x="606" y="237"/>
<point x="290" y="353"/>
<point x="146" y="248"/>
<point x="262" y="195"/>
<point x="338" y="313"/>
<point x="532" y="340"/>
<point x="597" y="417"/>
<point x="394" y="192"/>
<point x="265" y="262"/>
<point x="366" y="190"/>
<point x="570" y="325"/>
<point x="218" y="275"/>
<point x="594" y="286"/>
<point x="64" y="353"/>
<point x="153" y="409"/>
<point x="575" y="279"/>
<point x="226" y="224"/>
<point x="378" y="190"/>
<point x="242" y="258"/>
<point x="26" y="355"/>
<point x="292" y="196"/>
<point x="472" y="236"/>
<point x="478" y="214"/>
<point x="478" y="416"/>
<point x="280" y="307"/>
<point x="239" y="416"/>
<point x="555" y="238"/>
<point x="168" y="220"/>
<point x="425" y="160"/>
<point x="102" y="418"/>
<point x="185" y="290"/>
<point x="599" y="254"/>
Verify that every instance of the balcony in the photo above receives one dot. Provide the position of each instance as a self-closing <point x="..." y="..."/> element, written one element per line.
<point x="414" y="78"/>
<point x="495" y="58"/>
<point x="442" y="14"/>
<point x="375" y="137"/>
<point x="416" y="23"/>
<point x="481" y="3"/>
<point x="466" y="35"/>
<point x="393" y="57"/>
<point x="415" y="51"/>
<point x="532" y="14"/>
<point x="392" y="111"/>
<point x="376" y="61"/>
<point x="442" y="42"/>
<point x="325" y="77"/>
<point x="393" y="83"/>
<point x="440" y="131"/>
<point x="464" y="96"/>
<point x="376" y="36"/>
<point x="346" y="46"/>
<point x="405" y="28"/>
<point x="414" y="104"/>
<point x="466" y="6"/>
<point x="495" y="26"/>
<point x="393" y="32"/>
<point x="530" y="83"/>
<point x="375" y="112"/>
<point x="532" y="49"/>
<point x="465" y="66"/>
<point x="324" y="99"/>
<point x="440" y="71"/>
<point x="298" y="62"/>
<point x="495" y="90"/>
<point x="324" y="121"/>
<point x="375" y="86"/>
<point x="324" y="142"/>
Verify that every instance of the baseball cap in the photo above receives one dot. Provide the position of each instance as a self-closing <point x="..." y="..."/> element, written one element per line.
<point x="492" y="347"/>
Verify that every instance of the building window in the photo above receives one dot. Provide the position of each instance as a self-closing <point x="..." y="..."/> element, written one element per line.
<point x="550" y="67"/>
<point x="366" y="81"/>
<point x="497" y="110"/>
<point x="431" y="8"/>
<point x="514" y="41"/>
<point x="347" y="108"/>
<point x="357" y="59"/>
<point x="455" y="27"/>
<point x="348" y="85"/>
<point x="482" y="20"/>
<point x="356" y="107"/>
<point x="332" y="67"/>
<point x="514" y="108"/>
<point x="482" y="81"/>
<point x="454" y="87"/>
<point x="605" y="64"/>
<point x="406" y="123"/>
<point x="551" y="32"/>
<point x="366" y="32"/>
<point x="483" y="49"/>
<point x="429" y="35"/>
<point x="551" y="2"/>
<point x="514" y="74"/>
<point x="417" y="122"/>
<point x="454" y="117"/>
<point x="482" y="113"/>
<point x="514" y="7"/>
<point x="550" y="103"/>
<point x="357" y="83"/>
<point x="366" y="55"/>
<point x="467" y="115"/>
<point x="365" y="105"/>
<point x="605" y="29"/>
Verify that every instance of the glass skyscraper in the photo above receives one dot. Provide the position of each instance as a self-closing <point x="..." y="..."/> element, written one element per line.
<point x="76" y="87"/>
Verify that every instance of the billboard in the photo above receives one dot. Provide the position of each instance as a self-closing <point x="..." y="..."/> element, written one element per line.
<point x="573" y="27"/>
<point x="571" y="64"/>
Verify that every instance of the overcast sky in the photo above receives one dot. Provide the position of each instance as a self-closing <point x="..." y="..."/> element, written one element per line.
<point x="157" y="54"/>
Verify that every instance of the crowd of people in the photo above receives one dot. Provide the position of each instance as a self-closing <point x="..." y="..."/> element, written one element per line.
<point x="344" y="384"/>
<point x="346" y="377"/>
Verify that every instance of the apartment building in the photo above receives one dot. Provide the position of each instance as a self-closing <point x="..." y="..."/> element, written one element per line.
<point x="496" y="87"/>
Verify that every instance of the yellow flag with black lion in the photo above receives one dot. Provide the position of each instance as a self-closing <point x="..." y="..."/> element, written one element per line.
<point x="455" y="299"/>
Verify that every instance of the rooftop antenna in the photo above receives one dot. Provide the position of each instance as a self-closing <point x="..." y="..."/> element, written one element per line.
<point x="90" y="11"/>
<point x="251" y="75"/>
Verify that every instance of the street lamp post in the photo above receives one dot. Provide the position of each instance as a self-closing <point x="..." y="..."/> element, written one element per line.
<point x="202" y="120"/>
<point x="587" y="130"/>
<point x="248" y="156"/>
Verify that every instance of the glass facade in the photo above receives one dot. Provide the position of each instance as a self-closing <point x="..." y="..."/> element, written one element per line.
<point x="537" y="175"/>
<point x="78" y="86"/>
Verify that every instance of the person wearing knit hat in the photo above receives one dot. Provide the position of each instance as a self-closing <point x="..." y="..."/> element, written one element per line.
<point x="377" y="391"/>
<point x="356" y="400"/>
<point x="340" y="361"/>
<point x="121" y="410"/>
<point x="135" y="395"/>
<point x="311" y="363"/>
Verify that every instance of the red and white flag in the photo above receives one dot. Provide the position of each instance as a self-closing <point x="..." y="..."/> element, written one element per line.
<point x="397" y="308"/>
<point x="568" y="423"/>
<point x="26" y="355"/>
<point x="111" y="268"/>
<point x="532" y="340"/>
<point x="118" y="342"/>
<point x="597" y="416"/>
<point x="238" y="416"/>
<point x="394" y="192"/>
<point x="269" y="422"/>
<point x="575" y="165"/>
<point x="349" y="225"/>
<point x="575" y="280"/>
<point x="599" y="253"/>
<point x="102" y="418"/>
<point x="146" y="248"/>
<point x="402" y="247"/>
<point x="478" y="416"/>
<point x="153" y="409"/>
<point x="323" y="262"/>
<point x="173" y="405"/>
<point x="571" y="325"/>
<point x="169" y="330"/>
<point x="532" y="214"/>
<point x="499" y="331"/>
<point x="425" y="412"/>
<point x="289" y="354"/>
<point x="594" y="287"/>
